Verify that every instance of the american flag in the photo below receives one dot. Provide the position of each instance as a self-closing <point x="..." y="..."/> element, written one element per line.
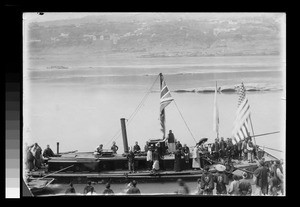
<point x="241" y="123"/>
<point x="165" y="100"/>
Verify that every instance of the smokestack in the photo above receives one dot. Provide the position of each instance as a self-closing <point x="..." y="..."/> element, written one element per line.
<point x="57" y="147"/>
<point x="124" y="135"/>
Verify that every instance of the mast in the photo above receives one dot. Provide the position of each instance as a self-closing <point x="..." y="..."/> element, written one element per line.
<point x="216" y="113"/>
<point x="162" y="111"/>
<point x="124" y="135"/>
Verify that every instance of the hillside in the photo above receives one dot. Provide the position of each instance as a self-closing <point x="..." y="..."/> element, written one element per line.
<point x="158" y="35"/>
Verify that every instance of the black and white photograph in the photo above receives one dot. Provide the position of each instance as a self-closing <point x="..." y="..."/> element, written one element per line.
<point x="154" y="104"/>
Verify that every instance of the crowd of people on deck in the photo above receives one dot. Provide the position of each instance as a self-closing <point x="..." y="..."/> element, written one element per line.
<point x="265" y="180"/>
<point x="34" y="156"/>
<point x="220" y="151"/>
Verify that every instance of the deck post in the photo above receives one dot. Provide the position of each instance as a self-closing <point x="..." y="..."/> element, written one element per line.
<point x="124" y="135"/>
<point x="57" y="147"/>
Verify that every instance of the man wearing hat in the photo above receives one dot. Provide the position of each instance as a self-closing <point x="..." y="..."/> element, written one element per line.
<point x="207" y="182"/>
<point x="261" y="174"/>
<point x="221" y="179"/>
<point x="245" y="187"/>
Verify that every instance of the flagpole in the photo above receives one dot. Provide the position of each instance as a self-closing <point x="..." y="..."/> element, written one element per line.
<point x="253" y="135"/>
<point x="216" y="112"/>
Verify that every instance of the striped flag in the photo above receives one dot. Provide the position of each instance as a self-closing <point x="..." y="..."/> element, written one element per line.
<point x="165" y="100"/>
<point x="242" y="121"/>
<point x="216" y="114"/>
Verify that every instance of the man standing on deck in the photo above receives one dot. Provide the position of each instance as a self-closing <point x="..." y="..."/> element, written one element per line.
<point x="239" y="149"/>
<point x="261" y="175"/>
<point x="130" y="157"/>
<point x="215" y="149"/>
<point x="244" y="149"/>
<point x="171" y="141"/>
<point x="186" y="154"/>
<point x="222" y="148"/>
<point x="149" y="158"/>
<point x="177" y="160"/>
<point x="250" y="149"/>
<point x="37" y="153"/>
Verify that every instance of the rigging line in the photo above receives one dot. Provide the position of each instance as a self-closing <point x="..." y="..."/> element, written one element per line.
<point x="134" y="113"/>
<point x="142" y="102"/>
<point x="269" y="148"/>
<point x="184" y="121"/>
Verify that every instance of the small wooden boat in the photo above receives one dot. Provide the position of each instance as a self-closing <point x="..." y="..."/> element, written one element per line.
<point x="37" y="185"/>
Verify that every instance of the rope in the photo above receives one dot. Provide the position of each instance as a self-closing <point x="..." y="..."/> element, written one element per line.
<point x="117" y="135"/>
<point x="184" y="121"/>
<point x="56" y="172"/>
<point x="270" y="148"/>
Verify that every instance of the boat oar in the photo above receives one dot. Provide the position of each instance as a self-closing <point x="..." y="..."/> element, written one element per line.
<point x="56" y="172"/>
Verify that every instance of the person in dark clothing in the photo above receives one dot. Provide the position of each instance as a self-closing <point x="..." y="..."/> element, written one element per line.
<point x="274" y="184"/>
<point x="114" y="148"/>
<point x="171" y="137"/>
<point x="207" y="182"/>
<point x="99" y="150"/>
<point x="130" y="158"/>
<point x="171" y="142"/>
<point x="133" y="189"/>
<point x="177" y="160"/>
<point x="155" y="157"/>
<point x="245" y="187"/>
<point x="222" y="148"/>
<point x="48" y="152"/>
<point x="178" y="145"/>
<point x="239" y="149"/>
<point x="215" y="149"/>
<point x="89" y="188"/>
<point x="136" y="148"/>
<point x="261" y="174"/>
<point x="29" y="159"/>
<point x="70" y="190"/>
<point x="186" y="154"/>
<point x="107" y="190"/>
<point x="221" y="180"/>
<point x="37" y="154"/>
